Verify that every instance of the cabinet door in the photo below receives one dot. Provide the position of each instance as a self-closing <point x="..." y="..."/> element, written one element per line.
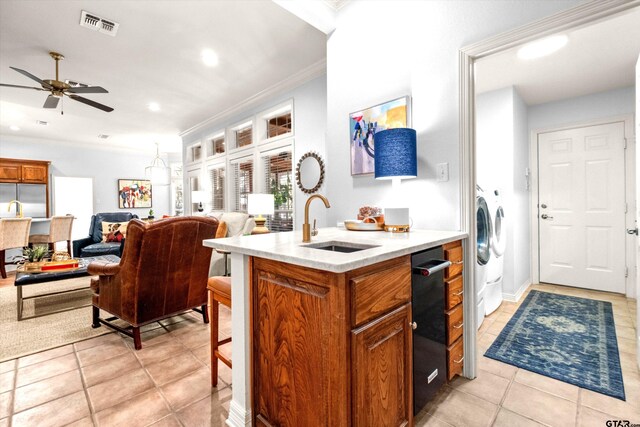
<point x="34" y="174"/>
<point x="9" y="173"/>
<point x="381" y="371"/>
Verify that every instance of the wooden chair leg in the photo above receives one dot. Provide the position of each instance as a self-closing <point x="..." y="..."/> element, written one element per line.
<point x="3" y="272"/>
<point x="213" y="326"/>
<point x="52" y="247"/>
<point x="96" y="317"/>
<point x="137" y="342"/>
<point x="205" y="313"/>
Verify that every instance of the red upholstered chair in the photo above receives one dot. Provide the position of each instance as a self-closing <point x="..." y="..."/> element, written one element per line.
<point x="163" y="271"/>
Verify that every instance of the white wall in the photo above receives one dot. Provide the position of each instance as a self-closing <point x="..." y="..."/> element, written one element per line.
<point x="105" y="165"/>
<point x="383" y="50"/>
<point x="583" y="108"/>
<point x="310" y="114"/>
<point x="502" y="155"/>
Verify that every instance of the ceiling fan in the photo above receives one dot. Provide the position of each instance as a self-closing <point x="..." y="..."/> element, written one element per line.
<point x="59" y="88"/>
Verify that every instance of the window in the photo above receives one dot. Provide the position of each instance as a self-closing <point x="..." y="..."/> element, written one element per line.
<point x="244" y="136"/>
<point x="215" y="145"/>
<point x="279" y="182"/>
<point x="243" y="183"/>
<point x="195" y="153"/>
<point x="279" y="125"/>
<point x="216" y="176"/>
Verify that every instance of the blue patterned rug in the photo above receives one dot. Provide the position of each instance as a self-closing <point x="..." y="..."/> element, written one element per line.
<point x="567" y="338"/>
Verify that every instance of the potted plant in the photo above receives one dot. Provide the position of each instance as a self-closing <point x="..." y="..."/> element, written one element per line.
<point x="151" y="214"/>
<point x="33" y="257"/>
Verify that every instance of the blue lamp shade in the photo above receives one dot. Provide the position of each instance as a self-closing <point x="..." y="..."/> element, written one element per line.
<point x="395" y="154"/>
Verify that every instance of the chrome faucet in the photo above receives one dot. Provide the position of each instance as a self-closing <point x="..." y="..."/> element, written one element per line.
<point x="306" y="227"/>
<point x="19" y="204"/>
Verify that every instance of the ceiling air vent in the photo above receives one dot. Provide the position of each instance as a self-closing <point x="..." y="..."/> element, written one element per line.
<point x="90" y="20"/>
<point x="42" y="123"/>
<point x="101" y="136"/>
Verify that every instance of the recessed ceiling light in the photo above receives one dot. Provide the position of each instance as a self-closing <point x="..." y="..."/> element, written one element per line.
<point x="14" y="128"/>
<point x="209" y="57"/>
<point x="543" y="47"/>
<point x="154" y="106"/>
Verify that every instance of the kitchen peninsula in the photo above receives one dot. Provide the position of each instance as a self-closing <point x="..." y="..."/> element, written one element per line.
<point x="322" y="330"/>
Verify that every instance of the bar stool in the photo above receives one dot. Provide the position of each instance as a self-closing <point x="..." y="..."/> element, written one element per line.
<point x="14" y="233"/>
<point x="59" y="231"/>
<point x="219" y="293"/>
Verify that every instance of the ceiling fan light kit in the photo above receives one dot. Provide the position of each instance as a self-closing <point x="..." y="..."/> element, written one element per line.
<point x="58" y="88"/>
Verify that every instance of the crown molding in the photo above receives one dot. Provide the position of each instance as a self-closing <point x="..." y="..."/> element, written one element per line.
<point x="80" y="145"/>
<point x="306" y="75"/>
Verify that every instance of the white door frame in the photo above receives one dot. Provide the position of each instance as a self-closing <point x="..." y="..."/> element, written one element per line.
<point x="578" y="16"/>
<point x="630" y="195"/>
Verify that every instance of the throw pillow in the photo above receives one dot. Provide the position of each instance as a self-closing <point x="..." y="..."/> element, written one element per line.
<point x="113" y="232"/>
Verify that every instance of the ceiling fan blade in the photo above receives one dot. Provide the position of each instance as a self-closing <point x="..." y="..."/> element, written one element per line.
<point x="51" y="102"/>
<point x="22" y="87"/>
<point x="91" y="103"/>
<point x="31" y="76"/>
<point x="88" y="89"/>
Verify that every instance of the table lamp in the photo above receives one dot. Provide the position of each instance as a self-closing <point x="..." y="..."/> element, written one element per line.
<point x="260" y="204"/>
<point x="198" y="196"/>
<point x="396" y="159"/>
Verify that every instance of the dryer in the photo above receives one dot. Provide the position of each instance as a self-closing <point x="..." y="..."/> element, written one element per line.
<point x="495" y="266"/>
<point x="484" y="233"/>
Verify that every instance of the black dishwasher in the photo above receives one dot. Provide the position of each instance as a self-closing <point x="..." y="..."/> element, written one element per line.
<point x="429" y="334"/>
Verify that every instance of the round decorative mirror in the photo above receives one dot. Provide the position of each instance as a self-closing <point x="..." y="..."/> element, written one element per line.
<point x="310" y="172"/>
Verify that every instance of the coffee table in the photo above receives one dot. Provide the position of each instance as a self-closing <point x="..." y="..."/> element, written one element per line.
<point x="24" y="278"/>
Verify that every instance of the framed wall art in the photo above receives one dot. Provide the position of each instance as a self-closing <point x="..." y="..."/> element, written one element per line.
<point x="363" y="126"/>
<point x="134" y="193"/>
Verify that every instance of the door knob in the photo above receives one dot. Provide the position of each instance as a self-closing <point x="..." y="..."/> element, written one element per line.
<point x="632" y="231"/>
<point x="543" y="206"/>
<point x="414" y="325"/>
<point x="545" y="216"/>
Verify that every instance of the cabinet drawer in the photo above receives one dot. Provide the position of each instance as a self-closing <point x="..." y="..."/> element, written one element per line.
<point x="455" y="359"/>
<point x="453" y="253"/>
<point x="454" y="324"/>
<point x="377" y="293"/>
<point x="453" y="292"/>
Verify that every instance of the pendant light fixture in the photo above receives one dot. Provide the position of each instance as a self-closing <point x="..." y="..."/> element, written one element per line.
<point x="158" y="171"/>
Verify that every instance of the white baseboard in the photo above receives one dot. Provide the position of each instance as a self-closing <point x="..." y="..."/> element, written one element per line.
<point x="238" y="416"/>
<point x="515" y="297"/>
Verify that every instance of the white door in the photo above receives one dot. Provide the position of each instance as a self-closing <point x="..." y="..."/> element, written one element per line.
<point x="74" y="196"/>
<point x="582" y="207"/>
<point x="638" y="205"/>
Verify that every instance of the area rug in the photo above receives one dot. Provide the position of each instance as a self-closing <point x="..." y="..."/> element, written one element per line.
<point x="567" y="338"/>
<point x="53" y="330"/>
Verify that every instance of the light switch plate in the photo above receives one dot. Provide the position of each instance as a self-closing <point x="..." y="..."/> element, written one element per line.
<point x="443" y="171"/>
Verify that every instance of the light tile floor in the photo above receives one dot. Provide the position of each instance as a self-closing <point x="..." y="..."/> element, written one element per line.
<point x="503" y="395"/>
<point x="104" y="382"/>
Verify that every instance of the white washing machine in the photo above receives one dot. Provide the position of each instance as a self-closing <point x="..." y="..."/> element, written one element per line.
<point x="484" y="232"/>
<point x="495" y="267"/>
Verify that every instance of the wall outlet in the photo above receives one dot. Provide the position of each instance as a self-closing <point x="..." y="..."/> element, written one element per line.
<point x="443" y="171"/>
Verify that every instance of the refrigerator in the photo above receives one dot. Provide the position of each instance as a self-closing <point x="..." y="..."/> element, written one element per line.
<point x="32" y="196"/>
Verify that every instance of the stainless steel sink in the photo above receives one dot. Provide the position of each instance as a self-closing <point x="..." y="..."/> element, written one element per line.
<point x="345" y="247"/>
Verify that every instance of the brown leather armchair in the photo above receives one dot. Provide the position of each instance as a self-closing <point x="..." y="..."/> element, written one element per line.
<point x="163" y="271"/>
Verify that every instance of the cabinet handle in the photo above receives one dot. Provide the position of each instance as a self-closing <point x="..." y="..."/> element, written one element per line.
<point x="459" y="325"/>
<point x="459" y="360"/>
<point x="458" y="293"/>
<point x="414" y="325"/>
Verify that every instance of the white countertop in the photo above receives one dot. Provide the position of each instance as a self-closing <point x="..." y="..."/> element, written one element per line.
<point x="288" y="246"/>
<point x="40" y="220"/>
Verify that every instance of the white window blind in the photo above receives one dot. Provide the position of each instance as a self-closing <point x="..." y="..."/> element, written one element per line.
<point x="243" y="183"/>
<point x="278" y="180"/>
<point x="216" y="177"/>
<point x="244" y="136"/>
<point x="215" y="146"/>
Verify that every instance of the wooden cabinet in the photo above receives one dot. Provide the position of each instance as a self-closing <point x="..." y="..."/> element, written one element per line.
<point x="24" y="171"/>
<point x="454" y="291"/>
<point x="324" y="343"/>
<point x="381" y="370"/>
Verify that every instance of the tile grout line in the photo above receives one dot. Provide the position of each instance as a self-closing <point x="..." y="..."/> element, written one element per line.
<point x="84" y="388"/>
<point x="13" y="392"/>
